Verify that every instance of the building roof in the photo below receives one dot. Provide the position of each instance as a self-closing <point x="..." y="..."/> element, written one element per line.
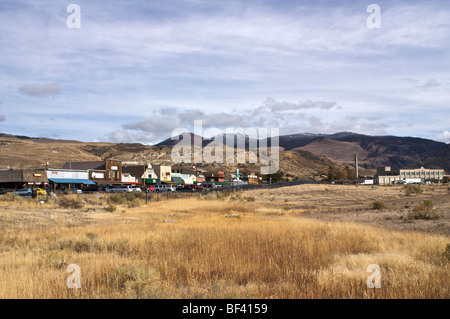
<point x="184" y="170"/>
<point x="11" y="176"/>
<point x="100" y="165"/>
<point x="35" y="175"/>
<point x="134" y="170"/>
<point x="21" y="176"/>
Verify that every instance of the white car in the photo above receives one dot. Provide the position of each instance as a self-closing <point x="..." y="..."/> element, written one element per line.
<point x="161" y="188"/>
<point x="136" y="189"/>
<point x="121" y="189"/>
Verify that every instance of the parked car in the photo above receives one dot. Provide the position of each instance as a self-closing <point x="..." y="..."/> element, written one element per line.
<point x="105" y="189"/>
<point x="160" y="188"/>
<point x="91" y="189"/>
<point x="136" y="189"/>
<point x="24" y="192"/>
<point x="186" y="188"/>
<point x="6" y="190"/>
<point x="209" y="186"/>
<point x="199" y="187"/>
<point x="40" y="191"/>
<point x="76" y="191"/>
<point x="121" y="189"/>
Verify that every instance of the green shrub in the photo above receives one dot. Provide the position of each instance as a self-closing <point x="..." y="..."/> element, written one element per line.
<point x="134" y="203"/>
<point x="119" y="198"/>
<point x="378" y="204"/>
<point x="134" y="199"/>
<point x="11" y="197"/>
<point x="249" y="198"/>
<point x="111" y="208"/>
<point x="424" y="211"/>
<point x="446" y="254"/>
<point x="70" y="203"/>
<point x="91" y="236"/>
<point x="411" y="189"/>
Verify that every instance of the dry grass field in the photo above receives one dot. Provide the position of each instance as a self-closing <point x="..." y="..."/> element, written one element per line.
<point x="309" y="241"/>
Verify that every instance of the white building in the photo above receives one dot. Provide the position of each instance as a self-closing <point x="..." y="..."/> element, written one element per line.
<point x="66" y="179"/>
<point x="423" y="173"/>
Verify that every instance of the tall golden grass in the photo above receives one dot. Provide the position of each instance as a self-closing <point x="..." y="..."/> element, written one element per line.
<point x="194" y="248"/>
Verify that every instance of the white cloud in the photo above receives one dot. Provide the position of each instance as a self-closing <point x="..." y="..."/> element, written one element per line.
<point x="276" y="106"/>
<point x="443" y="137"/>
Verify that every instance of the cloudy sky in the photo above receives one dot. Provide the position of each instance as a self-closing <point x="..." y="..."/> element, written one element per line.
<point x="136" y="70"/>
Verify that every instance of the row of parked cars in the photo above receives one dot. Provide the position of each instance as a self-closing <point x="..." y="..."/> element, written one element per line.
<point x="158" y="188"/>
<point x="28" y="191"/>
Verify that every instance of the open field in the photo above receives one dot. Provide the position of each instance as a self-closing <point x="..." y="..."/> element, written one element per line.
<point x="308" y="241"/>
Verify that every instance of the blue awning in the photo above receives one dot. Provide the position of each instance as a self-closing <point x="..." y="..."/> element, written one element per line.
<point x="71" y="181"/>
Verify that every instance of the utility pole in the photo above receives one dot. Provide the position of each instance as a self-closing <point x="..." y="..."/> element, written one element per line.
<point x="356" y="166"/>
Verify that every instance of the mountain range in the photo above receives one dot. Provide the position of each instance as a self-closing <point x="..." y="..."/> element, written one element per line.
<point x="302" y="155"/>
<point x="372" y="151"/>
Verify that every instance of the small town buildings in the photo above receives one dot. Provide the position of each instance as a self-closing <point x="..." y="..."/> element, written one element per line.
<point x="66" y="179"/>
<point x="163" y="173"/>
<point x="27" y="178"/>
<point x="200" y="178"/>
<point x="215" y="176"/>
<point x="108" y="172"/>
<point x="144" y="174"/>
<point x="184" y="175"/>
<point x="253" y="179"/>
<point x="184" y="179"/>
<point x="127" y="178"/>
<point x="385" y="176"/>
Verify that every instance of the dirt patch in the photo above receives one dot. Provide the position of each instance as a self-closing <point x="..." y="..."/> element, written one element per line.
<point x="342" y="203"/>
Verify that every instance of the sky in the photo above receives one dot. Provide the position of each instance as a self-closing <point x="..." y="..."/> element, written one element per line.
<point x="134" y="71"/>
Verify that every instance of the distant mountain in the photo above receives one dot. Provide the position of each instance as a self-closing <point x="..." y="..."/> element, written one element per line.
<point x="397" y="152"/>
<point x="293" y="141"/>
<point x="372" y="151"/>
<point x="439" y="160"/>
<point x="176" y="139"/>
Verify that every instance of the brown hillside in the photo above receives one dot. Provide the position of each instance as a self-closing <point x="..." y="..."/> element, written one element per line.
<point x="340" y="151"/>
<point x="439" y="160"/>
<point x="16" y="153"/>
